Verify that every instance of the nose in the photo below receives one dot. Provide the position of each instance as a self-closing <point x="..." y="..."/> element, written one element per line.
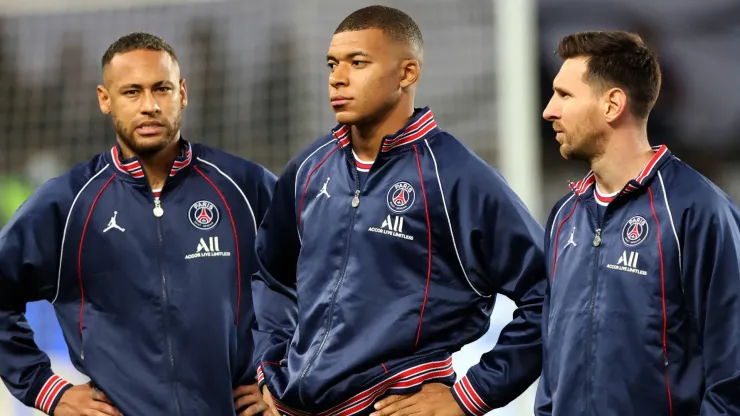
<point x="551" y="112"/>
<point x="149" y="104"/>
<point x="338" y="77"/>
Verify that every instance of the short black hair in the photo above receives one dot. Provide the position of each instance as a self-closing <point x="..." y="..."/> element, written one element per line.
<point x="621" y="59"/>
<point x="137" y="41"/>
<point x="396" y="24"/>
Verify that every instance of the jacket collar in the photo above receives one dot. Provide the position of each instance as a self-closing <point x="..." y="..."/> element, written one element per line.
<point x="421" y="126"/>
<point x="662" y="155"/>
<point x="132" y="167"/>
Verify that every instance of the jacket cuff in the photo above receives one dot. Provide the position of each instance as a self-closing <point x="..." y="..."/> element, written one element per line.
<point x="50" y="393"/>
<point x="260" y="378"/>
<point x="469" y="399"/>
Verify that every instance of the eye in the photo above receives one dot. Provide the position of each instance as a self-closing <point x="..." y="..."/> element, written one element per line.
<point x="164" y="89"/>
<point x="358" y="64"/>
<point x="331" y="65"/>
<point x="130" y="93"/>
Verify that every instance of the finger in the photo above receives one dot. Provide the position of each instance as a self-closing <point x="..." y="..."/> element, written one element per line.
<point x="244" y="390"/>
<point x="254" y="409"/>
<point x="412" y="411"/>
<point x="101" y="397"/>
<point x="389" y="400"/>
<point x="393" y="407"/>
<point x="267" y="398"/>
<point x="247" y="400"/>
<point x="104" y="408"/>
<point x="95" y="412"/>
<point x="92" y="412"/>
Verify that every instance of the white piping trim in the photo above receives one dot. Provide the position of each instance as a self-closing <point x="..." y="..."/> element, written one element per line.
<point x="66" y="224"/>
<point x="295" y="186"/>
<point x="449" y="223"/>
<point x="555" y="218"/>
<point x="254" y="219"/>
<point x="673" y="226"/>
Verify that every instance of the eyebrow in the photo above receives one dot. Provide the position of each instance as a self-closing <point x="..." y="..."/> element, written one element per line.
<point x="156" y="84"/>
<point x="352" y="54"/>
<point x="561" y="91"/>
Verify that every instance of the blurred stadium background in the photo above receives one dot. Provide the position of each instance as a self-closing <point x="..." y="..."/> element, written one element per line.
<point x="257" y="85"/>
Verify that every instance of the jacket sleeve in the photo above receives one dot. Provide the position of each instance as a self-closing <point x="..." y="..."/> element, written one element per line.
<point x="262" y="181"/>
<point x="29" y="256"/>
<point x="274" y="284"/>
<point x="711" y="272"/>
<point x="543" y="398"/>
<point x="503" y="253"/>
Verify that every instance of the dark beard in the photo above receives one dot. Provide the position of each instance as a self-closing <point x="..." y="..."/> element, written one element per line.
<point x="146" y="148"/>
<point x="592" y="148"/>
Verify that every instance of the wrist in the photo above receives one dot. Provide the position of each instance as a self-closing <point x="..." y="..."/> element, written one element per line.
<point x="468" y="398"/>
<point x="50" y="393"/>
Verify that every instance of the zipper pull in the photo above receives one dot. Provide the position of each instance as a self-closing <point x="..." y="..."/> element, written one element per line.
<point x="665" y="360"/>
<point x="597" y="238"/>
<point x="356" y="199"/>
<point x="158" y="211"/>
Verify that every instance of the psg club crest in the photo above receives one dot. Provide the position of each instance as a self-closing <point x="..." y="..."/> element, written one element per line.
<point x="400" y="197"/>
<point x="635" y="231"/>
<point x="204" y="215"/>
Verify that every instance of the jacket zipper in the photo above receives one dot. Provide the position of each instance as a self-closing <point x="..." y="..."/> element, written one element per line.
<point x="355" y="202"/>
<point x="592" y="301"/>
<point x="158" y="212"/>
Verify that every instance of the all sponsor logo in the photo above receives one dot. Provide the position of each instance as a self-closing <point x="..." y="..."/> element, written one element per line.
<point x="392" y="225"/>
<point x="208" y="247"/>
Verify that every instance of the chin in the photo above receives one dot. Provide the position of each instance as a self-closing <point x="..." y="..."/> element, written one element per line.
<point x="570" y="153"/>
<point x="567" y="152"/>
<point x="564" y="153"/>
<point x="149" y="145"/>
<point x="346" y="117"/>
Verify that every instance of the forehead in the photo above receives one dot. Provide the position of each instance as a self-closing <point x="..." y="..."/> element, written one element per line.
<point x="142" y="67"/>
<point x="368" y="40"/>
<point x="571" y="73"/>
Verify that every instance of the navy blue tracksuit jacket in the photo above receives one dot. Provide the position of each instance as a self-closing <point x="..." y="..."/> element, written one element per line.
<point x="151" y="288"/>
<point x="643" y="305"/>
<point x="369" y="281"/>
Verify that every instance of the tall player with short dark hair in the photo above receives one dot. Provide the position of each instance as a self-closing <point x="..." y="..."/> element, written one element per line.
<point x="384" y="248"/>
<point x="643" y="303"/>
<point x="145" y="251"/>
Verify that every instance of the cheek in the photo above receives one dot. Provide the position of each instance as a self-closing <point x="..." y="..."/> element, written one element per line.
<point x="170" y="104"/>
<point x="379" y="86"/>
<point x="122" y="111"/>
<point x="575" y="114"/>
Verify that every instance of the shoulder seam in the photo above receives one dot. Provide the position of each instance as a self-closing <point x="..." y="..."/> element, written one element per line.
<point x="224" y="174"/>
<point x="66" y="224"/>
<point x="449" y="223"/>
<point x="295" y="181"/>
<point x="555" y="218"/>
<point x="295" y="187"/>
<point x="673" y="225"/>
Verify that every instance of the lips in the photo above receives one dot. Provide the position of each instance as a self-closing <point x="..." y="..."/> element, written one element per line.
<point x="149" y="128"/>
<point x="338" y="100"/>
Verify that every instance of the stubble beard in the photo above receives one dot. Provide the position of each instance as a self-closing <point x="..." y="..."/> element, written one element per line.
<point x="146" y="147"/>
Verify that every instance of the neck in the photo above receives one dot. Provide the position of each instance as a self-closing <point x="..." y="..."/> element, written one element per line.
<point x="366" y="138"/>
<point x="157" y="166"/>
<point x="624" y="157"/>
